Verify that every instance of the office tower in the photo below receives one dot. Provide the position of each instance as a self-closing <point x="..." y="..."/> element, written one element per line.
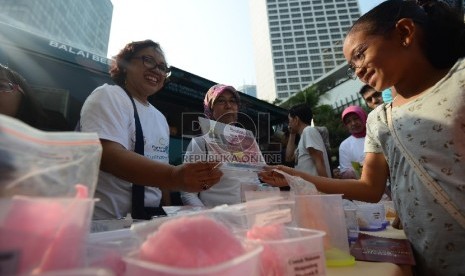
<point x="83" y="24"/>
<point x="297" y="41"/>
<point x="250" y="90"/>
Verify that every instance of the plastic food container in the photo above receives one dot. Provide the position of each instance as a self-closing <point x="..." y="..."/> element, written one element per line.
<point x="246" y="264"/>
<point x="326" y="213"/>
<point x="39" y="234"/>
<point x="292" y="251"/>
<point x="371" y="216"/>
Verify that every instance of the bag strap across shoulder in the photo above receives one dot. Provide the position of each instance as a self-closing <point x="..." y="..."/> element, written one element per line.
<point x="433" y="187"/>
<point x="138" y="191"/>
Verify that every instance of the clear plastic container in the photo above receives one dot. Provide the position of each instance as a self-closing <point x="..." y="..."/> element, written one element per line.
<point x="107" y="249"/>
<point x="246" y="264"/>
<point x="290" y="251"/>
<point x="371" y="216"/>
<point x="326" y="213"/>
<point x="43" y="234"/>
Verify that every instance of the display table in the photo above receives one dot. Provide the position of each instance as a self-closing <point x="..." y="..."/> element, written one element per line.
<point x="370" y="268"/>
<point x="375" y="268"/>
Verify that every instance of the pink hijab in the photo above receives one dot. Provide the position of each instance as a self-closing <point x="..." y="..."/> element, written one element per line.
<point x="361" y="114"/>
<point x="212" y="94"/>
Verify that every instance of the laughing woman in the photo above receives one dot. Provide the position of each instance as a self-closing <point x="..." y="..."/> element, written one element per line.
<point x="135" y="138"/>
<point x="418" y="139"/>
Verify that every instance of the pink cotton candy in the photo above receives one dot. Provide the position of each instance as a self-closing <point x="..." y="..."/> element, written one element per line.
<point x="269" y="232"/>
<point x="191" y="242"/>
<point x="269" y="260"/>
<point x="46" y="233"/>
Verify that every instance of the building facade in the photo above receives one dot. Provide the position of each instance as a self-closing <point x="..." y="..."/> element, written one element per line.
<point x="297" y="41"/>
<point x="84" y="23"/>
<point x="250" y="90"/>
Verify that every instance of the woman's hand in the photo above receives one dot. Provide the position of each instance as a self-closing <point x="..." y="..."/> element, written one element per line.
<point x="272" y="177"/>
<point x="196" y="177"/>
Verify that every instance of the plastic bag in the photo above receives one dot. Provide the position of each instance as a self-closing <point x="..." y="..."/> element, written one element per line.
<point x="298" y="185"/>
<point x="48" y="164"/>
<point x="46" y="190"/>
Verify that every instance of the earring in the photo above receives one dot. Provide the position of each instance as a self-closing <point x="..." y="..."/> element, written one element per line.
<point x="404" y="43"/>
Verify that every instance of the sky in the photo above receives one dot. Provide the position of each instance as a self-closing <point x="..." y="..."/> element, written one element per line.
<point x="208" y="38"/>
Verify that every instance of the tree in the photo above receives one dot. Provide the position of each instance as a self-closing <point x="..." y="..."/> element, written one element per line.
<point x="324" y="115"/>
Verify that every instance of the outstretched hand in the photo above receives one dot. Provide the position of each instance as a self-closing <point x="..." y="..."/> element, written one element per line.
<point x="272" y="177"/>
<point x="196" y="177"/>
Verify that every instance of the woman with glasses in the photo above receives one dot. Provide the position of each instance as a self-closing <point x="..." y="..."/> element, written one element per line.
<point x="135" y="138"/>
<point x="221" y="104"/>
<point x="17" y="100"/>
<point x="418" y="140"/>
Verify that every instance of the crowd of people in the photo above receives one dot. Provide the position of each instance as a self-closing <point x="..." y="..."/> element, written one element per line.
<point x="414" y="139"/>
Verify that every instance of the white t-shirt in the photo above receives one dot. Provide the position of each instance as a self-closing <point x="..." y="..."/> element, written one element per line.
<point x="351" y="150"/>
<point x="226" y="191"/>
<point x="310" y="138"/>
<point x="108" y="111"/>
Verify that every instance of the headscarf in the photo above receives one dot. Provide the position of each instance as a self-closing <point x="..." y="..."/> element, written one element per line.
<point x="212" y="94"/>
<point x="361" y="114"/>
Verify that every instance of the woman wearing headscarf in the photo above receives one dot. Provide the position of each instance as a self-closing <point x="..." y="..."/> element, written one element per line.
<point x="351" y="150"/>
<point x="221" y="104"/>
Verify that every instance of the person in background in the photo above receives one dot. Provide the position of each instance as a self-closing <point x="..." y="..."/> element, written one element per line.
<point x="352" y="148"/>
<point x="221" y="104"/>
<point x="372" y="97"/>
<point x="419" y="139"/>
<point x="310" y="155"/>
<point x="139" y="70"/>
<point x="18" y="101"/>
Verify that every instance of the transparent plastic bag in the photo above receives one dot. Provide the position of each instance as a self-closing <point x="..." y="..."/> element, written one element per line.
<point x="46" y="196"/>
<point x="49" y="164"/>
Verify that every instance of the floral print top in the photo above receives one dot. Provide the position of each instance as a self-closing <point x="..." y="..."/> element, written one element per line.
<point x="432" y="129"/>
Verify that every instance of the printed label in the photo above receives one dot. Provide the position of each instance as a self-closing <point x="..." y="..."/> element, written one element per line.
<point x="307" y="265"/>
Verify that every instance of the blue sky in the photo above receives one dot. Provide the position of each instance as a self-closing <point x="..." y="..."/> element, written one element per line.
<point x="209" y="38"/>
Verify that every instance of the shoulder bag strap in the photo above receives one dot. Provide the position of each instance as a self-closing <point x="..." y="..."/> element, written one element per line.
<point x="138" y="191"/>
<point x="438" y="193"/>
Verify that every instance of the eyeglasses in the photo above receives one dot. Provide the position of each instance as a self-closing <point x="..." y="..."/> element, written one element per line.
<point x="150" y="64"/>
<point x="222" y="101"/>
<point x="356" y="62"/>
<point x="9" y="87"/>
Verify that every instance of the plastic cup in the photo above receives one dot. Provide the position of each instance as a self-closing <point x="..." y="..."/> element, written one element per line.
<point x="352" y="224"/>
<point x="325" y="213"/>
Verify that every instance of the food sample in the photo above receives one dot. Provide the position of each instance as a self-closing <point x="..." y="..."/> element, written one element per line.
<point x="191" y="242"/>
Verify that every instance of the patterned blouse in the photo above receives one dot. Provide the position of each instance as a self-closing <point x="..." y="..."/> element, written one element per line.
<point x="432" y="129"/>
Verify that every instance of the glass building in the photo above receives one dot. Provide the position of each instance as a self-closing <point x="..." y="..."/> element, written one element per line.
<point x="297" y="41"/>
<point x="85" y="24"/>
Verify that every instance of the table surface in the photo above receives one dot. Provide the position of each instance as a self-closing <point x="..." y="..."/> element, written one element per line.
<point x="374" y="268"/>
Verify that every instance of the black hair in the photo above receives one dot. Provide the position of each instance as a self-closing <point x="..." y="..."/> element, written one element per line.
<point x="303" y="111"/>
<point x="30" y="110"/>
<point x="443" y="27"/>
<point x="365" y="89"/>
<point x="118" y="67"/>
